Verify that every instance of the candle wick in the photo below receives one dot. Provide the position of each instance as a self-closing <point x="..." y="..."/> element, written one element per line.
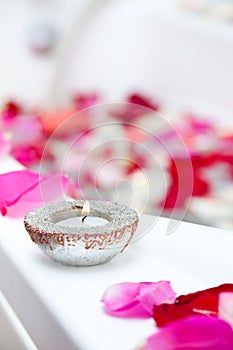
<point x="84" y="218"/>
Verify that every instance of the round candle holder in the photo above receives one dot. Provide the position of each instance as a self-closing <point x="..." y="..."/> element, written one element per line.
<point x="81" y="246"/>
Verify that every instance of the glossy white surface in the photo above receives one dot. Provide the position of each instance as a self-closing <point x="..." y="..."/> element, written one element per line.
<point x="12" y="334"/>
<point x="60" y="306"/>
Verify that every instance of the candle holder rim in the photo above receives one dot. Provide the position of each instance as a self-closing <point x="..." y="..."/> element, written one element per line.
<point x="41" y="218"/>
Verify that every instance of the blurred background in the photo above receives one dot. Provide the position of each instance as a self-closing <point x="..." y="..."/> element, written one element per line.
<point x="149" y="87"/>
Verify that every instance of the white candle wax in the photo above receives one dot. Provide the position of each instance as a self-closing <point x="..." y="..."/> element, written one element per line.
<point x="88" y="222"/>
<point x="94" y="221"/>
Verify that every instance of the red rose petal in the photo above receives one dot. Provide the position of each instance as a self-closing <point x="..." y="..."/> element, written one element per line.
<point x="202" y="302"/>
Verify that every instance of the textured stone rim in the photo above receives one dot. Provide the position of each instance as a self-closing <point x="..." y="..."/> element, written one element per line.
<point x="43" y="223"/>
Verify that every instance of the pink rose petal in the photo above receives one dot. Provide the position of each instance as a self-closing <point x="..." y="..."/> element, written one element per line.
<point x="22" y="191"/>
<point x="121" y="296"/>
<point x="192" y="333"/>
<point x="152" y="294"/>
<point x="25" y="130"/>
<point x="5" y="144"/>
<point x="83" y="101"/>
<point x="225" y="307"/>
<point x="129" y="299"/>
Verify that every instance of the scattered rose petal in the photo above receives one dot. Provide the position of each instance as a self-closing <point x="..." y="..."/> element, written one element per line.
<point x="209" y="148"/>
<point x="22" y="191"/>
<point x="216" y="291"/>
<point x="24" y="130"/>
<point x="31" y="155"/>
<point x="121" y="296"/>
<point x="180" y="169"/>
<point x="155" y="294"/>
<point x="67" y="121"/>
<point x="130" y="299"/>
<point x="200" y="125"/>
<point x="225" y="307"/>
<point x="192" y="333"/>
<point x="142" y="101"/>
<point x="10" y="111"/>
<point x="5" y="144"/>
<point x="203" y="302"/>
<point x="83" y="101"/>
<point x="135" y="106"/>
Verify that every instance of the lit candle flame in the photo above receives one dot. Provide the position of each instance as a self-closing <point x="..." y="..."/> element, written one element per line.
<point x="86" y="208"/>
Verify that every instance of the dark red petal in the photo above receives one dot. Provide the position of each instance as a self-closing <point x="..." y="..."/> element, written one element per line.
<point x="3" y="211"/>
<point x="83" y="101"/>
<point x="142" y="101"/>
<point x="226" y="287"/>
<point x="180" y="170"/>
<point x="205" y="304"/>
<point x="202" y="302"/>
<point x="11" y="110"/>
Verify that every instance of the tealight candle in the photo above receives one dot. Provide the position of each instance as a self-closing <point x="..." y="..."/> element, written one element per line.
<point x="104" y="229"/>
<point x="85" y="220"/>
